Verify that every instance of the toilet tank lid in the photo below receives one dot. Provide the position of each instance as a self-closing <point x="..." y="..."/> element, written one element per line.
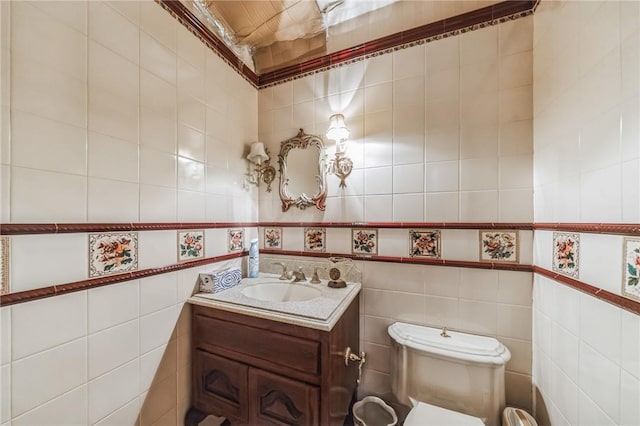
<point x="462" y="346"/>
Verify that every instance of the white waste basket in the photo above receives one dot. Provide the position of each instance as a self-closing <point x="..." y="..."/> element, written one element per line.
<point x="373" y="411"/>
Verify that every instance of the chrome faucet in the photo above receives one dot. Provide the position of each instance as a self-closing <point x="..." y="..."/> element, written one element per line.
<point x="285" y="275"/>
<point x="298" y="275"/>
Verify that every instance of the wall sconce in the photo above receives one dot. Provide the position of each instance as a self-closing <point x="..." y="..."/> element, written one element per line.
<point x="342" y="165"/>
<point x="257" y="170"/>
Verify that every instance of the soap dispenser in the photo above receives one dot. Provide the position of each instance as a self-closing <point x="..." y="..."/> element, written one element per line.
<point x="254" y="261"/>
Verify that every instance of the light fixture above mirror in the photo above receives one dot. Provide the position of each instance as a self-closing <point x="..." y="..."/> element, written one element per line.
<point x="257" y="170"/>
<point x="341" y="165"/>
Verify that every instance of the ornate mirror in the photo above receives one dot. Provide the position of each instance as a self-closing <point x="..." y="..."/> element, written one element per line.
<point x="303" y="169"/>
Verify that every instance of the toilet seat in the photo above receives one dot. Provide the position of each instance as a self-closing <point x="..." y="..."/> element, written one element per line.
<point x="423" y="414"/>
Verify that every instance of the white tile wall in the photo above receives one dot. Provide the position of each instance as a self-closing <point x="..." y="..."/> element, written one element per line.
<point x="113" y="305"/>
<point x="581" y="98"/>
<point x="45" y="375"/>
<point x="113" y="347"/>
<point x="111" y="87"/>
<point x="581" y="93"/>
<point x="50" y="252"/>
<point x="128" y="414"/>
<point x="591" y="357"/>
<point x="66" y="320"/>
<point x="411" y="113"/>
<point x="68" y="409"/>
<point x="113" y="390"/>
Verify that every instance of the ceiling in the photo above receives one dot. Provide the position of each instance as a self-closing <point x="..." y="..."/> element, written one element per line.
<point x="271" y="34"/>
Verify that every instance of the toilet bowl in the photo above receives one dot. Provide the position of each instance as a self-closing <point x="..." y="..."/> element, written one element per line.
<point x="449" y="378"/>
<point x="423" y="414"/>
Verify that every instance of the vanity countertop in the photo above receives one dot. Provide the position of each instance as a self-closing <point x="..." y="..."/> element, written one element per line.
<point x="321" y="313"/>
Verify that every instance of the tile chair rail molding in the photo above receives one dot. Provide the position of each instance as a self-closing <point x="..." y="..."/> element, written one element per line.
<point x="61" y="228"/>
<point x="59" y="289"/>
<point x="406" y="260"/>
<point x="69" y="228"/>
<point x="50" y="290"/>
<point x="476" y="19"/>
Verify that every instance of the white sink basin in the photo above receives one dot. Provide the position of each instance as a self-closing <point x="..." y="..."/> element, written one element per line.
<point x="281" y="292"/>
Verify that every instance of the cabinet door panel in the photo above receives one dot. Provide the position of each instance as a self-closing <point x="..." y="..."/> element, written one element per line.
<point x="277" y="400"/>
<point x="220" y="386"/>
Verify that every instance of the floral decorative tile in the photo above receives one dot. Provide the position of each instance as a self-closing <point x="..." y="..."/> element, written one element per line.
<point x="365" y="241"/>
<point x="273" y="238"/>
<point x="499" y="246"/>
<point x="112" y="253"/>
<point x="4" y="265"/>
<point x="315" y="239"/>
<point x="565" y="253"/>
<point x="424" y="243"/>
<point x="236" y="240"/>
<point x="631" y="265"/>
<point x="190" y="245"/>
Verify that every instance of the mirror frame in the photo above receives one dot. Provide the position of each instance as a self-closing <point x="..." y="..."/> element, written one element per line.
<point x="302" y="201"/>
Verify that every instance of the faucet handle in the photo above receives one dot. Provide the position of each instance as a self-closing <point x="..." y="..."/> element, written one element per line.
<point x="283" y="275"/>
<point x="298" y="275"/>
<point x="315" y="279"/>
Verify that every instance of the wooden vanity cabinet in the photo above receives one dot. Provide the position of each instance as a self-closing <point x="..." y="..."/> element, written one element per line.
<point x="256" y="371"/>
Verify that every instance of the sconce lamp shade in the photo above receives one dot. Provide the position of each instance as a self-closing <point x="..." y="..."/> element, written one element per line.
<point x="257" y="154"/>
<point x="337" y="130"/>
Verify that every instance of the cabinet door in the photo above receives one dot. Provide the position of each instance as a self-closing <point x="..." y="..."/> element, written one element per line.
<point x="220" y="386"/>
<point x="277" y="400"/>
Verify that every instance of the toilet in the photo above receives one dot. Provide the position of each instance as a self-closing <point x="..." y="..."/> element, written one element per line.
<point x="449" y="378"/>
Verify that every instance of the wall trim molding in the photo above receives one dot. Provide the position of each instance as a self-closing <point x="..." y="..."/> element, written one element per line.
<point x="627" y="229"/>
<point x="56" y="290"/>
<point x="455" y="25"/>
<point x="408" y="260"/>
<point x="16" y="229"/>
<point x="402" y="225"/>
<point x="469" y="21"/>
<point x="597" y="292"/>
<point x="69" y="228"/>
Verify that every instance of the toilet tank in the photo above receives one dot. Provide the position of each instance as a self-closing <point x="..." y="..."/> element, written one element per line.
<point x="463" y="372"/>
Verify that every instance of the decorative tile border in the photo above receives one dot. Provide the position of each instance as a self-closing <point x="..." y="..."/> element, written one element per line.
<point x="273" y="238"/>
<point x="315" y="239"/>
<point x="235" y="240"/>
<point x="631" y="268"/>
<point x="525" y="226"/>
<point x="364" y="241"/>
<point x="112" y="253"/>
<point x="599" y="293"/>
<point x="56" y="290"/>
<point x="499" y="246"/>
<point x="565" y="259"/>
<point x="190" y="245"/>
<point x="409" y="260"/>
<point x="425" y="243"/>
<point x="5" y="287"/>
